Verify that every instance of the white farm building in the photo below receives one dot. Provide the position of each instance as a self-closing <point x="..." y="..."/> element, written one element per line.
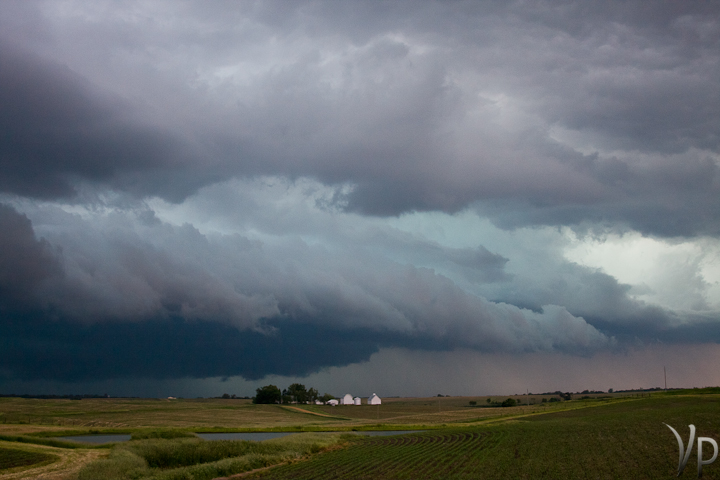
<point x="374" y="400"/>
<point x="332" y="402"/>
<point x="347" y="399"/>
<point x="357" y="400"/>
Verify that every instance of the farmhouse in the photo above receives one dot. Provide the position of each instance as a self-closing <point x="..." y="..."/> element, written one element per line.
<point x="357" y="400"/>
<point x="374" y="400"/>
<point x="347" y="399"/>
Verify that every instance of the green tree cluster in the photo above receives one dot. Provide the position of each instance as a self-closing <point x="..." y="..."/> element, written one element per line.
<point x="295" y="393"/>
<point x="267" y="394"/>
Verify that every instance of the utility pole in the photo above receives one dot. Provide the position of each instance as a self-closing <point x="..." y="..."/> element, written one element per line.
<point x="665" y="375"/>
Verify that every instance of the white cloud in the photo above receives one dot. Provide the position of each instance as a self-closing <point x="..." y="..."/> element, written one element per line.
<point x="680" y="275"/>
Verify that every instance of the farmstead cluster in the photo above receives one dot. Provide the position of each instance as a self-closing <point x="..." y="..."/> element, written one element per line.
<point x="298" y="393"/>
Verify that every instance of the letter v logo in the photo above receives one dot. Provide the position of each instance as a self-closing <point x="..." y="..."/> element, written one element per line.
<point x="683" y="459"/>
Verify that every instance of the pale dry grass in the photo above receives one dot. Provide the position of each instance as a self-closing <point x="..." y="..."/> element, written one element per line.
<point x="66" y="468"/>
<point x="133" y="413"/>
<point x="209" y="414"/>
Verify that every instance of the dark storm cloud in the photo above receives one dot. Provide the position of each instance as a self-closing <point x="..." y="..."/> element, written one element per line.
<point x="133" y="285"/>
<point x="597" y="116"/>
<point x="178" y="303"/>
<point x="537" y="112"/>
<point x="124" y="279"/>
<point x="604" y="303"/>
<point x="25" y="261"/>
<point x="57" y="129"/>
<point x="34" y="347"/>
<point x="674" y="197"/>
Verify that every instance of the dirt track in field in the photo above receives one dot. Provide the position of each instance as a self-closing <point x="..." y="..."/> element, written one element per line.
<point x="66" y="468"/>
<point x="307" y="411"/>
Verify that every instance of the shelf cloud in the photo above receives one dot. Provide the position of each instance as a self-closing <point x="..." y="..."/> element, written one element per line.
<point x="231" y="185"/>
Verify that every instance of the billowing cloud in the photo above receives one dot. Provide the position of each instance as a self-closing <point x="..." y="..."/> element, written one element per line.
<point x="25" y="261"/>
<point x="288" y="274"/>
<point x="351" y="178"/>
<point x="550" y="113"/>
<point x="126" y="272"/>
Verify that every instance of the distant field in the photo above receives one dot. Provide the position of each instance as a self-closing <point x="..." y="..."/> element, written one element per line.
<point x="26" y="415"/>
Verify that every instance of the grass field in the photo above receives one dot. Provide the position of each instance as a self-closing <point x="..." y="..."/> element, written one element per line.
<point x="192" y="458"/>
<point x="588" y="439"/>
<point x="25" y="415"/>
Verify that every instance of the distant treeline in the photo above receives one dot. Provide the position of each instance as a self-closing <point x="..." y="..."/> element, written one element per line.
<point x="295" y="393"/>
<point x="56" y="397"/>
<point x="655" y="389"/>
<point x="586" y="392"/>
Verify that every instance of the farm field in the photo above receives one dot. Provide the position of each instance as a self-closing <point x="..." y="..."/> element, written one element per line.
<point x="19" y="415"/>
<point x="617" y="441"/>
<point x="593" y="438"/>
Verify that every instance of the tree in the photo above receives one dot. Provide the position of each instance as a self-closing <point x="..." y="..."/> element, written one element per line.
<point x="326" y="398"/>
<point x="267" y="394"/>
<point x="297" y="393"/>
<point x="312" y="395"/>
<point x="510" y="402"/>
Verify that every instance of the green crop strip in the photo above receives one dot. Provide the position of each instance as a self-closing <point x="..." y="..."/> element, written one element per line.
<point x="13" y="458"/>
<point x="615" y="441"/>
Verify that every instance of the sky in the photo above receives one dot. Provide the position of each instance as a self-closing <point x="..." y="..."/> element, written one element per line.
<point x="407" y="198"/>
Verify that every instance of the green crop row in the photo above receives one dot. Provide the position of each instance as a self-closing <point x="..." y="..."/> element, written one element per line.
<point x="616" y="441"/>
<point x="12" y="458"/>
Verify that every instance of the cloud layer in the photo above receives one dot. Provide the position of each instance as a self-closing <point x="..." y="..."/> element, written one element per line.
<point x="549" y="113"/>
<point x="342" y="178"/>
